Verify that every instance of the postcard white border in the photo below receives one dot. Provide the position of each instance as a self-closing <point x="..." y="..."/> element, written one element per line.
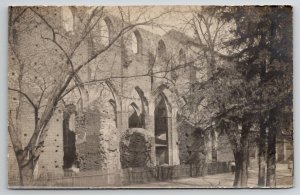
<point x="3" y="91"/>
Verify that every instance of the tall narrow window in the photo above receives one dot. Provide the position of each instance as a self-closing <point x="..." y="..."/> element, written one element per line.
<point x="181" y="56"/>
<point x="136" y="43"/>
<point x="67" y="18"/>
<point x="105" y="31"/>
<point x="135" y="119"/>
<point x="161" y="49"/>
<point x="161" y="127"/>
<point x="69" y="137"/>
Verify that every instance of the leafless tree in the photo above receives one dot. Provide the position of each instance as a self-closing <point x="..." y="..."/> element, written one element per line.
<point x="42" y="83"/>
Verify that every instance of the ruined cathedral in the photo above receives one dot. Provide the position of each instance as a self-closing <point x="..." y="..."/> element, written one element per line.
<point x="126" y="113"/>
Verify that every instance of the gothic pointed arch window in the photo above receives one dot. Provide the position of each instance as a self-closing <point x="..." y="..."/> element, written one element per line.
<point x="67" y="19"/>
<point x="136" y="43"/>
<point x="162" y="121"/>
<point x="181" y="56"/>
<point x="135" y="119"/>
<point x="161" y="49"/>
<point x="105" y="31"/>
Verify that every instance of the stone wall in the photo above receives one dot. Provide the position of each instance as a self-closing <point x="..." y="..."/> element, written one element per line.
<point x="98" y="147"/>
<point x="135" y="148"/>
<point x="102" y="138"/>
<point x="97" y="137"/>
<point x="90" y="153"/>
<point x="51" y="158"/>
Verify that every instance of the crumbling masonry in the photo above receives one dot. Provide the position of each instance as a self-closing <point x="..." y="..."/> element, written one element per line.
<point x="127" y="120"/>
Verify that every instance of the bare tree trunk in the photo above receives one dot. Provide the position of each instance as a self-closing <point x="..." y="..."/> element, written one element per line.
<point x="273" y="123"/>
<point x="26" y="174"/>
<point x="241" y="159"/>
<point x="238" y="169"/>
<point x="271" y="154"/>
<point x="26" y="167"/>
<point x="24" y="159"/>
<point x="262" y="147"/>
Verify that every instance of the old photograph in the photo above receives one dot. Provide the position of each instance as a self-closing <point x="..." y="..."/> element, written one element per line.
<point x="150" y="97"/>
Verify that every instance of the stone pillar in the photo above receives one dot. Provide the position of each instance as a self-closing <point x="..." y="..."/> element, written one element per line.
<point x="122" y="121"/>
<point x="170" y="140"/>
<point x="149" y="126"/>
<point x="175" y="149"/>
<point x="149" y="123"/>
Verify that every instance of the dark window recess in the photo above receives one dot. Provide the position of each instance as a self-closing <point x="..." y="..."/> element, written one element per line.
<point x="161" y="131"/>
<point x="69" y="148"/>
<point x="136" y="121"/>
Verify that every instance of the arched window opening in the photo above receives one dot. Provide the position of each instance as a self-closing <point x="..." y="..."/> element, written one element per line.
<point x="181" y="56"/>
<point x="162" y="121"/>
<point x="144" y="101"/>
<point x="136" y="43"/>
<point x="105" y="31"/>
<point x="70" y="158"/>
<point x="113" y="104"/>
<point x="67" y="18"/>
<point x="135" y="119"/>
<point x="161" y="49"/>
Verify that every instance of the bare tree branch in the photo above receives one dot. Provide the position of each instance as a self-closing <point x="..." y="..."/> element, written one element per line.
<point x="25" y="95"/>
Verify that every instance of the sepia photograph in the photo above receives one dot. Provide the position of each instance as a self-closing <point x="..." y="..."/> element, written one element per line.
<point x="110" y="97"/>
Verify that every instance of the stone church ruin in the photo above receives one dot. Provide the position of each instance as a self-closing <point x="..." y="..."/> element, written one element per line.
<point x="130" y="119"/>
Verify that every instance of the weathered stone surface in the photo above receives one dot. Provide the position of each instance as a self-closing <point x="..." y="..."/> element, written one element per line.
<point x="135" y="148"/>
<point x="102" y="138"/>
<point x="98" y="139"/>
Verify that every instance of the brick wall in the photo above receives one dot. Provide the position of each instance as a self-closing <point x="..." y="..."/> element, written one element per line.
<point x="51" y="158"/>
